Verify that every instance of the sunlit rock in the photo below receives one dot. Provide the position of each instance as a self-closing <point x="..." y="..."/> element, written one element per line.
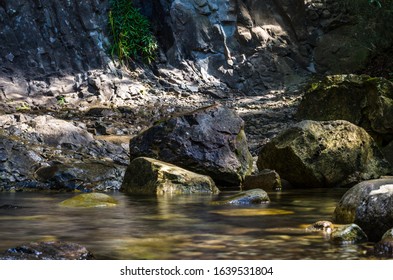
<point x="151" y="176"/>
<point x="89" y="200"/>
<point x="323" y="154"/>
<point x="369" y="204"/>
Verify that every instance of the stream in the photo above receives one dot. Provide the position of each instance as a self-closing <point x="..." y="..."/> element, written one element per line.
<point x="180" y="226"/>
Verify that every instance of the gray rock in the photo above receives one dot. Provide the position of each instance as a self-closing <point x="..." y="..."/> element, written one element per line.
<point x="151" y="176"/>
<point x="369" y="204"/>
<point x="48" y="251"/>
<point x="209" y="141"/>
<point x="266" y="179"/>
<point x="254" y="196"/>
<point x="324" y="154"/>
<point x="384" y="247"/>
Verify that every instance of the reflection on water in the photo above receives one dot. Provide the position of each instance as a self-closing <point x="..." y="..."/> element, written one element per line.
<point x="179" y="227"/>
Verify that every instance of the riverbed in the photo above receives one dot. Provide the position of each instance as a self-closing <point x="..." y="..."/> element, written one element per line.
<point x="180" y="226"/>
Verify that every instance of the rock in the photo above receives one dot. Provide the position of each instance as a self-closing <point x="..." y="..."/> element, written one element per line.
<point x="361" y="100"/>
<point x="48" y="251"/>
<point x="83" y="176"/>
<point x="324" y="226"/>
<point x="323" y="154"/>
<point x="89" y="200"/>
<point x="369" y="204"/>
<point x="385" y="246"/>
<point x="348" y="234"/>
<point x="266" y="179"/>
<point x="151" y="176"/>
<point x="255" y="196"/>
<point x="388" y="152"/>
<point x="209" y="141"/>
<point x="55" y="132"/>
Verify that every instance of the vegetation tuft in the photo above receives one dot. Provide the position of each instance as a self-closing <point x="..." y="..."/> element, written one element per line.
<point x="131" y="34"/>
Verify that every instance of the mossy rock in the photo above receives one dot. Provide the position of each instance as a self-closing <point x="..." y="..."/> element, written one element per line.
<point x="348" y="234"/>
<point x="89" y="200"/>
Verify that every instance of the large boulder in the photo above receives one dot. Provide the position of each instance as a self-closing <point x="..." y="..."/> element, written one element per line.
<point x="323" y="154"/>
<point x="146" y="176"/>
<point x="361" y="100"/>
<point x="209" y="141"/>
<point x="369" y="204"/>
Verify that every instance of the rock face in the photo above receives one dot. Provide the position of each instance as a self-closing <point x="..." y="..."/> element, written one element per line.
<point x="323" y="154"/>
<point x="361" y="100"/>
<point x="48" y="251"/>
<point x="209" y="141"/>
<point x="369" y="205"/>
<point x="147" y="176"/>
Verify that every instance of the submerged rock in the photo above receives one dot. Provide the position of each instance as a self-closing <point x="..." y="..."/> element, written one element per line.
<point x="208" y="141"/>
<point x="324" y="154"/>
<point x="325" y="226"/>
<point x="255" y="196"/>
<point x="48" y="251"/>
<point x="146" y="175"/>
<point x="369" y="204"/>
<point x="89" y="200"/>
<point x="348" y="234"/>
<point x="385" y="246"/>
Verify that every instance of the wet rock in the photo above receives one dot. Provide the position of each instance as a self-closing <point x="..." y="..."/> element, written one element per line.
<point x="255" y="196"/>
<point x="266" y="179"/>
<point x="83" y="176"/>
<point x="388" y="152"/>
<point x="385" y="246"/>
<point x="361" y="100"/>
<point x="369" y="204"/>
<point x="89" y="200"/>
<point x="48" y="251"/>
<point x="209" y="141"/>
<point x="324" y="154"/>
<point x="151" y="176"/>
<point x="324" y="226"/>
<point x="348" y="234"/>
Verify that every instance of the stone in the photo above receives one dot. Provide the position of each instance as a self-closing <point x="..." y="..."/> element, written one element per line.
<point x="209" y="141"/>
<point x="324" y="226"/>
<point x="151" y="176"/>
<point x="348" y="234"/>
<point x="266" y="179"/>
<point x="53" y="250"/>
<point x="323" y="154"/>
<point x="388" y="152"/>
<point x="384" y="248"/>
<point x="369" y="204"/>
<point x="254" y="196"/>
<point x="359" y="99"/>
<point x="89" y="200"/>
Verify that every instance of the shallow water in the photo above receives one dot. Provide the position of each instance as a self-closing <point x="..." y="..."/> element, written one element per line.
<point x="180" y="226"/>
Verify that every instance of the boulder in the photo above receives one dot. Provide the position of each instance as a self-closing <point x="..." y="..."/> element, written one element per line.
<point x="89" y="200"/>
<point x="48" y="251"/>
<point x="209" y="141"/>
<point x="266" y="179"/>
<point x="146" y="176"/>
<point x="369" y="204"/>
<point x="323" y="154"/>
<point x="348" y="234"/>
<point x="255" y="196"/>
<point x="359" y="99"/>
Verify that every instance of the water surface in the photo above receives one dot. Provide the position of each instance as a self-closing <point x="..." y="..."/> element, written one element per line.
<point x="180" y="226"/>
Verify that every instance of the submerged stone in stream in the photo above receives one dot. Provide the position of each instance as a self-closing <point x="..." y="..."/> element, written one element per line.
<point x="348" y="234"/>
<point x="47" y="251"/>
<point x="255" y="196"/>
<point x="89" y="200"/>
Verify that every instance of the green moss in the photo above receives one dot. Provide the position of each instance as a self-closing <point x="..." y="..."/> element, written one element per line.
<point x="89" y="200"/>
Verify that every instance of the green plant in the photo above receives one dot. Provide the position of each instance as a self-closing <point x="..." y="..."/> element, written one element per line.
<point x="23" y="107"/>
<point x="131" y="34"/>
<point x="61" y="101"/>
